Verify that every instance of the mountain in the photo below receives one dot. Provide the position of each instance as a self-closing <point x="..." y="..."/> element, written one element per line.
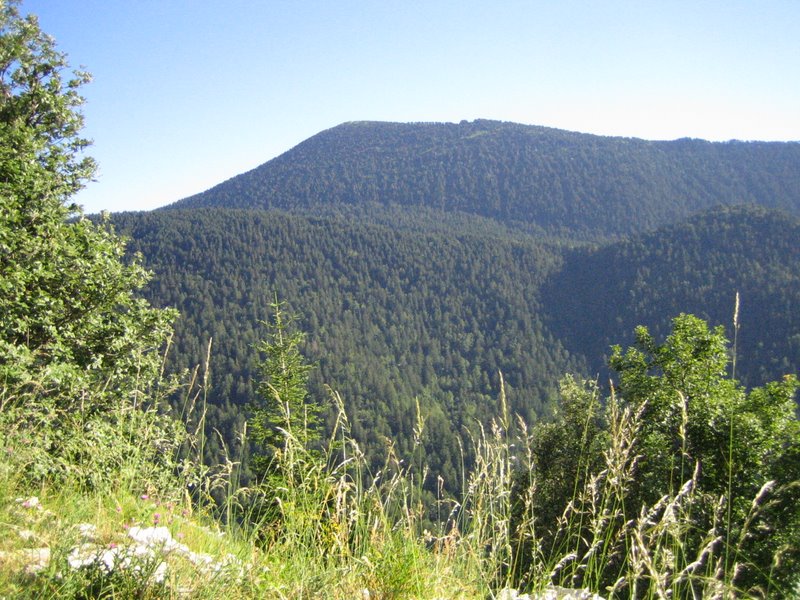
<point x="602" y="293"/>
<point x="423" y="260"/>
<point x="536" y="178"/>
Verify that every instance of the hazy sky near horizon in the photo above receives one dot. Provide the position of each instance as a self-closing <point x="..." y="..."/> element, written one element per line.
<point x="188" y="93"/>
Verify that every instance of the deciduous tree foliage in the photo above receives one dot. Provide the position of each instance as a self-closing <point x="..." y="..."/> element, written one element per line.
<point x="70" y="324"/>
<point x="695" y="416"/>
<point x="695" y="423"/>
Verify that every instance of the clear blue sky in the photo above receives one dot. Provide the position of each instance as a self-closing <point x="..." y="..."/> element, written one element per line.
<point x="188" y="93"/>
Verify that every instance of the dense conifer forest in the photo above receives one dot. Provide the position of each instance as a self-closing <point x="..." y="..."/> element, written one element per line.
<point x="425" y="259"/>
<point x="546" y="179"/>
<point x="696" y="266"/>
<point x="391" y="316"/>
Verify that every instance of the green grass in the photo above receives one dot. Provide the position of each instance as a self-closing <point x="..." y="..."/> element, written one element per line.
<point x="331" y="528"/>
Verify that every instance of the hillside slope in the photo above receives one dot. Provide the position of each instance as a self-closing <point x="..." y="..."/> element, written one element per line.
<point x="391" y="315"/>
<point x="695" y="267"/>
<point x="430" y="313"/>
<point x="542" y="179"/>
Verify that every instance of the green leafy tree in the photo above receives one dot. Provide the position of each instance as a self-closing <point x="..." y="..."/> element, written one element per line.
<point x="683" y="465"/>
<point x="284" y="416"/>
<point x="693" y="411"/>
<point x="567" y="451"/>
<point x="743" y="446"/>
<point x="75" y="340"/>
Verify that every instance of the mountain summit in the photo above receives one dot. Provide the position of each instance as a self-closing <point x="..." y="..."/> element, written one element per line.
<point x="522" y="175"/>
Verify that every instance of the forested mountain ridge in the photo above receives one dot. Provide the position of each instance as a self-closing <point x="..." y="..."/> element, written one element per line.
<point x="550" y="180"/>
<point x="601" y="294"/>
<point x="425" y="259"/>
<point x="431" y="312"/>
<point x="412" y="313"/>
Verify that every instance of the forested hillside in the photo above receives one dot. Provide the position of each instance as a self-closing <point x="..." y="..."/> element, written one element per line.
<point x="433" y="308"/>
<point x="541" y="179"/>
<point x="391" y="315"/>
<point x="696" y="267"/>
<point x="425" y="259"/>
<point x="678" y="483"/>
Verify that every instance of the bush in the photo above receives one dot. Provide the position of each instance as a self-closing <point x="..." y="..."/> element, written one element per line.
<point x="684" y="484"/>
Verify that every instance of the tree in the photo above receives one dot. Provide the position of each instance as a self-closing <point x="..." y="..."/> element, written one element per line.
<point x="683" y="466"/>
<point x="696" y="419"/>
<point x="694" y="412"/>
<point x="283" y="415"/>
<point x="75" y="340"/>
<point x="39" y="115"/>
<point x="567" y="451"/>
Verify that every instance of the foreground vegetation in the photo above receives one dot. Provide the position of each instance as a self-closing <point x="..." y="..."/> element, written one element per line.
<point x="678" y="483"/>
<point x="589" y="501"/>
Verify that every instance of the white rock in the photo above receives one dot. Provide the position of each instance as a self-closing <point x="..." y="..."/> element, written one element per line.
<point x="511" y="594"/>
<point x="156" y="537"/>
<point x="199" y="559"/>
<point x="88" y="531"/>
<point x="83" y="556"/>
<point x="160" y="573"/>
<point x="32" y="502"/>
<point x="554" y="592"/>
<point x="550" y="592"/>
<point x="36" y="559"/>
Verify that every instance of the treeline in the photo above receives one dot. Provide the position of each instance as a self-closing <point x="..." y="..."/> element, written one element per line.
<point x="565" y="183"/>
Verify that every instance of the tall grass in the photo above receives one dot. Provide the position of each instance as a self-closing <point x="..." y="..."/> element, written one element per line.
<point x="331" y="527"/>
<point x="353" y="531"/>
